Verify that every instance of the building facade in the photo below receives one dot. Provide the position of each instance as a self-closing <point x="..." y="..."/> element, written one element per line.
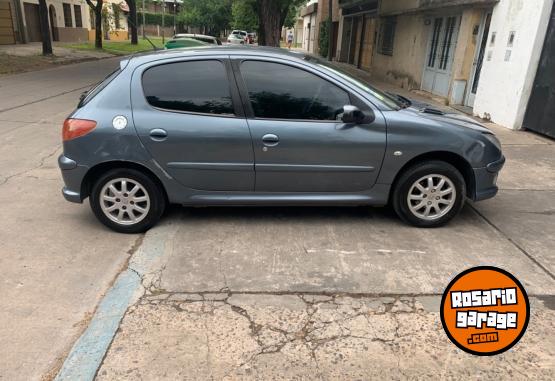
<point x="69" y="21"/>
<point x="478" y="55"/>
<point x="309" y="15"/>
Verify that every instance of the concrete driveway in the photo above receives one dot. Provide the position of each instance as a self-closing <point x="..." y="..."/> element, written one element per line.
<point x="254" y="293"/>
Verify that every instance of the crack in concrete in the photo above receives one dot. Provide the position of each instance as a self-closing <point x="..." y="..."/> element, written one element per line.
<point x="312" y="332"/>
<point x="513" y="242"/>
<point x="42" y="161"/>
<point x="46" y="98"/>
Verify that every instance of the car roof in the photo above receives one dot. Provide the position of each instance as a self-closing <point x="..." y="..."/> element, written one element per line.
<point x="155" y="55"/>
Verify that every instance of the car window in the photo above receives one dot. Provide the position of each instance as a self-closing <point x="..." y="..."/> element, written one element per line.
<point x="361" y="83"/>
<point x="194" y="86"/>
<point x="281" y="91"/>
<point x="97" y="88"/>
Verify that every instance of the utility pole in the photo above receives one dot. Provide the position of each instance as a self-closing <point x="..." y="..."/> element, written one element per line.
<point x="143" y="19"/>
<point x="174" y="17"/>
<point x="330" y="31"/>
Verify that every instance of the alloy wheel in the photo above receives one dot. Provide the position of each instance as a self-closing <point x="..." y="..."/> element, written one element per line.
<point x="124" y="201"/>
<point x="431" y="197"/>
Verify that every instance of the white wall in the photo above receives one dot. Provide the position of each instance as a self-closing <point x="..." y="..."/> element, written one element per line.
<point x="309" y="20"/>
<point x="505" y="86"/>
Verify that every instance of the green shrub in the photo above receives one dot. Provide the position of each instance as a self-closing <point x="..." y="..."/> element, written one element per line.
<point x="155" y="19"/>
<point x="323" y="40"/>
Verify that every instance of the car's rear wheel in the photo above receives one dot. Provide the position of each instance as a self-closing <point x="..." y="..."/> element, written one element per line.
<point x="127" y="200"/>
<point x="429" y="194"/>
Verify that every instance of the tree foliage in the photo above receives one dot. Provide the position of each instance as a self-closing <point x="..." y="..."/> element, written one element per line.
<point x="323" y="39"/>
<point x="244" y="15"/>
<point x="211" y="16"/>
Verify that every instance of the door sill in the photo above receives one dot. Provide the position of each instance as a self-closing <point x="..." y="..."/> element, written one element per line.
<point x="377" y="196"/>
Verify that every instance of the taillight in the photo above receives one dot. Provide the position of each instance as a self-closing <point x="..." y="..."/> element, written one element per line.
<point x="73" y="128"/>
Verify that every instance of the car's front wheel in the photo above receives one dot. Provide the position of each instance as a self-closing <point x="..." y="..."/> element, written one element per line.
<point x="127" y="200"/>
<point x="429" y="194"/>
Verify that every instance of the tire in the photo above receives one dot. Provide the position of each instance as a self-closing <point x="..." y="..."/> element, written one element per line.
<point x="439" y="205"/>
<point x="114" y="207"/>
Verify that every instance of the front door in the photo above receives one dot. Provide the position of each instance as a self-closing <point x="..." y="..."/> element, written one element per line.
<point x="188" y="120"/>
<point x="478" y="59"/>
<point x="299" y="141"/>
<point x="441" y="50"/>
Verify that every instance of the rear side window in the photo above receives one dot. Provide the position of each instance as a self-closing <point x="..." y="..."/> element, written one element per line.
<point x="90" y="94"/>
<point x="194" y="86"/>
<point x="278" y="91"/>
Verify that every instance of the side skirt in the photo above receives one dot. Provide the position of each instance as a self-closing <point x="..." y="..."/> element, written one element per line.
<point x="377" y="196"/>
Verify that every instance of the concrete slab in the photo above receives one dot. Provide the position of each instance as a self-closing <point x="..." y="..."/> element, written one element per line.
<point x="528" y="167"/>
<point x="358" y="250"/>
<point x="263" y="337"/>
<point x="528" y="218"/>
<point x="510" y="137"/>
<point x="19" y="89"/>
<point x="56" y="260"/>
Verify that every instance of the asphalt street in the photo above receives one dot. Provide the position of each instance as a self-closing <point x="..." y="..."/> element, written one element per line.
<point x="252" y="292"/>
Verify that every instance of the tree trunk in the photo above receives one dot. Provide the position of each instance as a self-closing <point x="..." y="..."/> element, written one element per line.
<point x="44" y="29"/>
<point x="132" y="21"/>
<point x="98" y="25"/>
<point x="97" y="22"/>
<point x="269" y="22"/>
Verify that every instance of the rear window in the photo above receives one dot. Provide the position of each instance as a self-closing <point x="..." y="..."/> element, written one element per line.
<point x="97" y="88"/>
<point x="193" y="86"/>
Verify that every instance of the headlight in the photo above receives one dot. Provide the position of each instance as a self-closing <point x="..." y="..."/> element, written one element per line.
<point x="493" y="139"/>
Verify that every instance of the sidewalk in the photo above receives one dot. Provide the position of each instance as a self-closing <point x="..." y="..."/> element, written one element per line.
<point x="28" y="57"/>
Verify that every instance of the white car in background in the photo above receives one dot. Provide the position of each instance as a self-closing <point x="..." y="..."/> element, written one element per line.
<point x="237" y="37"/>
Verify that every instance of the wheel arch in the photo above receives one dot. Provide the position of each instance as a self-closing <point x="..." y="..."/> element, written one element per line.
<point x="96" y="171"/>
<point x="454" y="159"/>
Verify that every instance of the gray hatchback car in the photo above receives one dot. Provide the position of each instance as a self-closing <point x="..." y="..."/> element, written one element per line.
<point x="257" y="126"/>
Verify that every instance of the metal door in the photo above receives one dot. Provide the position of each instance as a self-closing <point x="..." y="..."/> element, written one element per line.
<point x="7" y="35"/>
<point x="32" y="21"/>
<point x="441" y="50"/>
<point x="540" y="114"/>
<point x="478" y="59"/>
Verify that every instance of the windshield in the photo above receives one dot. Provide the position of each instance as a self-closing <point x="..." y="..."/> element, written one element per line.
<point x="358" y="81"/>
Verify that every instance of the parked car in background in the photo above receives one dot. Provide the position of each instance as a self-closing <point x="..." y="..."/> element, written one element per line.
<point x="184" y="43"/>
<point x="237" y="37"/>
<point x="251" y="38"/>
<point x="201" y="37"/>
<point x="275" y="128"/>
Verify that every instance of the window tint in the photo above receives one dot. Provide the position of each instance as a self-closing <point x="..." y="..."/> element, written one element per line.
<point x="284" y="92"/>
<point x="196" y="86"/>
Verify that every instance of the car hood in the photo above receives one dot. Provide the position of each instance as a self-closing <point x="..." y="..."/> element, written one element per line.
<point x="443" y="115"/>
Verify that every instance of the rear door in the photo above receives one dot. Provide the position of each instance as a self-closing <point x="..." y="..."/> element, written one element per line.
<point x="188" y="116"/>
<point x="300" y="143"/>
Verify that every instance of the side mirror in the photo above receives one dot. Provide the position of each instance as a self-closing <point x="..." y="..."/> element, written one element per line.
<point x="352" y="114"/>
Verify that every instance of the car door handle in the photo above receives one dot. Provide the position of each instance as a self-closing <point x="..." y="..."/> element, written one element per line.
<point x="270" y="140"/>
<point x="158" y="134"/>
